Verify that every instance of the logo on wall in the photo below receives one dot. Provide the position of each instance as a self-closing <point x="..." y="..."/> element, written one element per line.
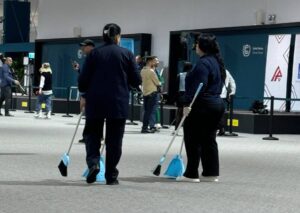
<point x="79" y="54"/>
<point x="286" y="55"/>
<point x="246" y="50"/>
<point x="279" y="38"/>
<point x="277" y="75"/>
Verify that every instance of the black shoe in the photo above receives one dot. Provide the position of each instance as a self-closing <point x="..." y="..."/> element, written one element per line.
<point x="147" y="131"/>
<point x="1" y="114"/>
<point x="113" y="182"/>
<point x="221" y="132"/>
<point x="81" y="140"/>
<point x="92" y="175"/>
<point x="154" y="129"/>
<point x="9" y="115"/>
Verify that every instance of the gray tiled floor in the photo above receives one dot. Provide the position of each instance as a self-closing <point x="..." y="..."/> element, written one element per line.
<point x="256" y="175"/>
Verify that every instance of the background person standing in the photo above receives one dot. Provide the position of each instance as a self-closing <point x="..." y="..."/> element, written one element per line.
<point x="86" y="47"/>
<point x="150" y="84"/>
<point x="6" y="81"/>
<point x="45" y="91"/>
<point x="229" y="89"/>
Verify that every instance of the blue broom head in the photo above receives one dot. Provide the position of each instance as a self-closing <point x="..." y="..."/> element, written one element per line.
<point x="66" y="159"/>
<point x="85" y="172"/>
<point x="176" y="167"/>
<point x="101" y="175"/>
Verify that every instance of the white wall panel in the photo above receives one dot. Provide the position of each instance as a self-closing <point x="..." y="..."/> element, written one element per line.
<point x="57" y="18"/>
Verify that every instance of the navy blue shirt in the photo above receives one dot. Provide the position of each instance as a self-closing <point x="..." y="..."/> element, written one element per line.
<point x="6" y="76"/>
<point x="206" y="71"/>
<point x="106" y="75"/>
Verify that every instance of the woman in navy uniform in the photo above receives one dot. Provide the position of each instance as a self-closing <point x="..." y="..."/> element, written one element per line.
<point x="107" y="73"/>
<point x="201" y="124"/>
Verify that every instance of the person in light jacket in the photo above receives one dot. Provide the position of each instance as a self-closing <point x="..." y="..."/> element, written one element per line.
<point x="229" y="89"/>
<point x="45" y="91"/>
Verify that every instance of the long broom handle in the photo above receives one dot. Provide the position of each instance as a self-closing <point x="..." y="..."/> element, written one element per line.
<point x="22" y="88"/>
<point x="102" y="149"/>
<point x="182" y="120"/>
<point x="77" y="125"/>
<point x="181" y="147"/>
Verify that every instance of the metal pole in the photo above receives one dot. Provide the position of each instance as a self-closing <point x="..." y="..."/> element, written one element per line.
<point x="270" y="137"/>
<point x="132" y="109"/>
<point x="29" y="100"/>
<point x="162" y="114"/>
<point x="231" y="117"/>
<point x="68" y="104"/>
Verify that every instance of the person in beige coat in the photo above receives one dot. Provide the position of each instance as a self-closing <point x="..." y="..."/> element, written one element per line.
<point x="150" y="84"/>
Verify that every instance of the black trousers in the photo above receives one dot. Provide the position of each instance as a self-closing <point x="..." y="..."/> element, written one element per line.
<point x="150" y="102"/>
<point x="223" y="121"/>
<point x="179" y="115"/>
<point x="200" y="139"/>
<point x="5" y="96"/>
<point x="113" y="140"/>
<point x="101" y="130"/>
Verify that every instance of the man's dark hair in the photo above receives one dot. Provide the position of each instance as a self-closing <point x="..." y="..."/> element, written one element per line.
<point x="150" y="58"/>
<point x="87" y="42"/>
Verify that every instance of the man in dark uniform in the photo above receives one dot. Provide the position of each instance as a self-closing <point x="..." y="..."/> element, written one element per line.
<point x="107" y="73"/>
<point x="86" y="47"/>
<point x="6" y="81"/>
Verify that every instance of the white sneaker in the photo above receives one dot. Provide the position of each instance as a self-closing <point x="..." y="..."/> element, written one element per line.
<point x="158" y="126"/>
<point x="38" y="115"/>
<point x="185" y="179"/>
<point x="48" y="116"/>
<point x="209" y="179"/>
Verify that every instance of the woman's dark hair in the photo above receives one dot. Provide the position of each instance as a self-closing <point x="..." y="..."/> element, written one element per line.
<point x="110" y="31"/>
<point x="209" y="45"/>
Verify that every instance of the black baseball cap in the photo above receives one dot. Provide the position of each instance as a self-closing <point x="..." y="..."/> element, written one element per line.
<point x="87" y="42"/>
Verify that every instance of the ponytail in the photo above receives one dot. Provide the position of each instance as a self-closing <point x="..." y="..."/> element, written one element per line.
<point x="110" y="31"/>
<point x="222" y="66"/>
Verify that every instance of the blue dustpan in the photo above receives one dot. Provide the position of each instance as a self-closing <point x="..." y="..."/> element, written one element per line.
<point x="176" y="167"/>
<point x="101" y="175"/>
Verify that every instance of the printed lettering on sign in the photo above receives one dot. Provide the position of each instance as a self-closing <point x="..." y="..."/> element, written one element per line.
<point x="277" y="75"/>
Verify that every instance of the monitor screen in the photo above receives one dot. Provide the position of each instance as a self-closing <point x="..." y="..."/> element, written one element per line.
<point x="127" y="43"/>
<point x="31" y="55"/>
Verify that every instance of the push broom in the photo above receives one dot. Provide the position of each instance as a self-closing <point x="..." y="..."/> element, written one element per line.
<point x="156" y="171"/>
<point x="65" y="159"/>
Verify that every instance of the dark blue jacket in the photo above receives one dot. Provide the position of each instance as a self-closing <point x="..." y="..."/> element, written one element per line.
<point x="106" y="75"/>
<point x="6" y="77"/>
<point x="207" y="71"/>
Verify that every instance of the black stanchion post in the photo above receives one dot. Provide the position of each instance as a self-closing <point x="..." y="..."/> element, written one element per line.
<point x="11" y="102"/>
<point x="29" y="100"/>
<point x="231" y="117"/>
<point x="132" y="109"/>
<point x="162" y="114"/>
<point x="68" y="104"/>
<point x="270" y="137"/>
